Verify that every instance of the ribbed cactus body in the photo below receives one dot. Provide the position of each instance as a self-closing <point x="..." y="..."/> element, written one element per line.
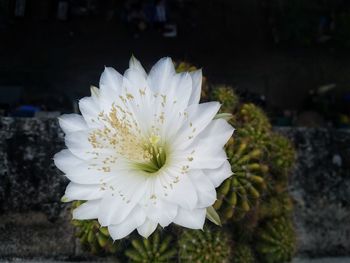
<point x="253" y="116"/>
<point x="275" y="240"/>
<point x="243" y="253"/>
<point x="156" y="249"/>
<point x="204" y="246"/>
<point x="282" y="155"/>
<point x="239" y="193"/>
<point x="276" y="206"/>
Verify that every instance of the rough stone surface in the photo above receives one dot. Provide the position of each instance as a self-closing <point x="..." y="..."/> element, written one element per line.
<point x="35" y="224"/>
<point x="33" y="221"/>
<point x="29" y="180"/>
<point x="320" y="185"/>
<point x="31" y="234"/>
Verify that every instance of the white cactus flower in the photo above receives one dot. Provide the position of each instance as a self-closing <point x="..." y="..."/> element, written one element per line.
<point x="144" y="151"/>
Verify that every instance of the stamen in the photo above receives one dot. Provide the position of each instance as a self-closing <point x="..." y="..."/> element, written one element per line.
<point x="122" y="133"/>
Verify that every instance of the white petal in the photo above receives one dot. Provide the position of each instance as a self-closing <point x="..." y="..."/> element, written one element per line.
<point x="160" y="75"/>
<point x="78" y="143"/>
<point x="196" y="87"/>
<point x="76" y="191"/>
<point x="110" y="81"/>
<point x="147" y="228"/>
<point x="179" y="90"/>
<point x="199" y="117"/>
<point x="182" y="192"/>
<point x="173" y="103"/>
<point x="217" y="133"/>
<point x="208" y="146"/>
<point x="88" y="210"/>
<point x="217" y="176"/>
<point x="95" y="94"/>
<point x="110" y="88"/>
<point x="72" y="122"/>
<point x="178" y="93"/>
<point x="135" y="81"/>
<point x="85" y="174"/>
<point x="90" y="110"/>
<point x="161" y="212"/>
<point x="136" y="65"/>
<point x="137" y="217"/>
<point x="116" y="206"/>
<point x="191" y="218"/>
<point x="207" y="157"/>
<point x="205" y="189"/>
<point x="65" y="160"/>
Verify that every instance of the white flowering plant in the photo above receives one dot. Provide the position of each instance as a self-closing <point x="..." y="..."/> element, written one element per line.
<point x="144" y="151"/>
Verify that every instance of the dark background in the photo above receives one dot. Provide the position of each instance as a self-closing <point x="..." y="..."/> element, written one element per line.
<point x="290" y="56"/>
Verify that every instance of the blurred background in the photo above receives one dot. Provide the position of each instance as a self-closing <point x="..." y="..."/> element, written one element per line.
<point x="290" y="57"/>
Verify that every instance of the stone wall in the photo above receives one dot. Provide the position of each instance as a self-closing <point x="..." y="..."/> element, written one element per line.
<point x="320" y="185"/>
<point x="34" y="223"/>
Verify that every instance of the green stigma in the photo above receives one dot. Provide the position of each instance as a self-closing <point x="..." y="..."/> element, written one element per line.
<point x="156" y="156"/>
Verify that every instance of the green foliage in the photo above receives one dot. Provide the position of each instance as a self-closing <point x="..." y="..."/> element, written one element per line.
<point x="243" y="253"/>
<point x="204" y="246"/>
<point x="93" y="237"/>
<point x="155" y="249"/>
<point x="275" y="240"/>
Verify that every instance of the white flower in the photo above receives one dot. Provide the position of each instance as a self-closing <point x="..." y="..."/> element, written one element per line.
<point x="144" y="152"/>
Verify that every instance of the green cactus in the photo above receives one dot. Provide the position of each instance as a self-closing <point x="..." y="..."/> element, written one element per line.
<point x="239" y="193"/>
<point x="251" y="122"/>
<point x="252" y="116"/>
<point x="205" y="246"/>
<point x="276" y="240"/>
<point x="243" y="253"/>
<point x="93" y="237"/>
<point x="244" y="229"/>
<point x="155" y="249"/>
<point x="226" y="96"/>
<point x="282" y="154"/>
<point x="276" y="206"/>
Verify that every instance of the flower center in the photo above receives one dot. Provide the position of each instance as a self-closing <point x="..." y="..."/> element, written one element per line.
<point x="122" y="134"/>
<point x="156" y="156"/>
